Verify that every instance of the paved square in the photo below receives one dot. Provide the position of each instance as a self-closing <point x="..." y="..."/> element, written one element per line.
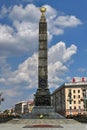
<point x="66" y="124"/>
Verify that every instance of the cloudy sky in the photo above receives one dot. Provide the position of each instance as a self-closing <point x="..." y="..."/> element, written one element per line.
<point x="67" y="47"/>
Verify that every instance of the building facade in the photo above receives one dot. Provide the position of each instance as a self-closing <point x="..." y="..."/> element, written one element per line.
<point x="23" y="107"/>
<point x="19" y="107"/>
<point x="70" y="99"/>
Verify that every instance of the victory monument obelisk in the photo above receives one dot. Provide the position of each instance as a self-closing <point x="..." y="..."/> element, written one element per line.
<point x="42" y="96"/>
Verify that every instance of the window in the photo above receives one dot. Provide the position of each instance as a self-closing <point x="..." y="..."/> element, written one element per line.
<point x="78" y="91"/>
<point x="74" y="102"/>
<point x="84" y="94"/>
<point x="78" y="96"/>
<point x="79" y="102"/>
<point x="74" y="91"/>
<point x="70" y="108"/>
<point x="74" y="107"/>
<point x="70" y="102"/>
<point x="69" y="94"/>
<point x="79" y="107"/>
<point x="69" y="90"/>
<point x="74" y="96"/>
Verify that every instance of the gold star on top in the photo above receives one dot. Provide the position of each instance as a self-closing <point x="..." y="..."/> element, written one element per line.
<point x="43" y="10"/>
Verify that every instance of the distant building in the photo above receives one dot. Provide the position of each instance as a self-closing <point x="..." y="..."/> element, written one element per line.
<point x="19" y="107"/>
<point x="71" y="98"/>
<point x="23" y="107"/>
<point x="28" y="107"/>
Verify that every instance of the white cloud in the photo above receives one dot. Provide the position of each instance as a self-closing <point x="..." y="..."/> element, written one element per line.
<point x="28" y="13"/>
<point x="4" y="11"/>
<point x="59" y="52"/>
<point x="58" y="56"/>
<point x="51" y="13"/>
<point x="56" y="61"/>
<point x="26" y="76"/>
<point x="22" y="36"/>
<point x="2" y="80"/>
<point x="26" y="72"/>
<point x="67" y="21"/>
<point x="12" y="93"/>
<point x="5" y="32"/>
<point x="82" y="70"/>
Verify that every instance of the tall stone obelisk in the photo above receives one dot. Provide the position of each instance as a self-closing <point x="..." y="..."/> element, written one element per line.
<point x="42" y="96"/>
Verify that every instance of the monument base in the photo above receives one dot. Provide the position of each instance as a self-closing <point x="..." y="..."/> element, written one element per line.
<point x="45" y="112"/>
<point x="42" y="97"/>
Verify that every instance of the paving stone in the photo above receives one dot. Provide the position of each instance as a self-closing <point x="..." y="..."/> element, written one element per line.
<point x="65" y="124"/>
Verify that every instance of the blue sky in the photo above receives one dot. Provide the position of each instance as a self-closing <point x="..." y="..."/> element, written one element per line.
<point x="67" y="48"/>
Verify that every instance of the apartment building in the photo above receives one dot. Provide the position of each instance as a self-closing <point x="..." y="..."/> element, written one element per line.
<point x="71" y="98"/>
<point x="19" y="107"/>
<point x="24" y="107"/>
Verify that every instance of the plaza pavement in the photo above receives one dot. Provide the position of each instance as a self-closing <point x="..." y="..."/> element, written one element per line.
<point x="64" y="124"/>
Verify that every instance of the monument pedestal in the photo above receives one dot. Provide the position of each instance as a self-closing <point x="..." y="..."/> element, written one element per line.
<point x="44" y="110"/>
<point x="42" y="97"/>
<point x="47" y="112"/>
